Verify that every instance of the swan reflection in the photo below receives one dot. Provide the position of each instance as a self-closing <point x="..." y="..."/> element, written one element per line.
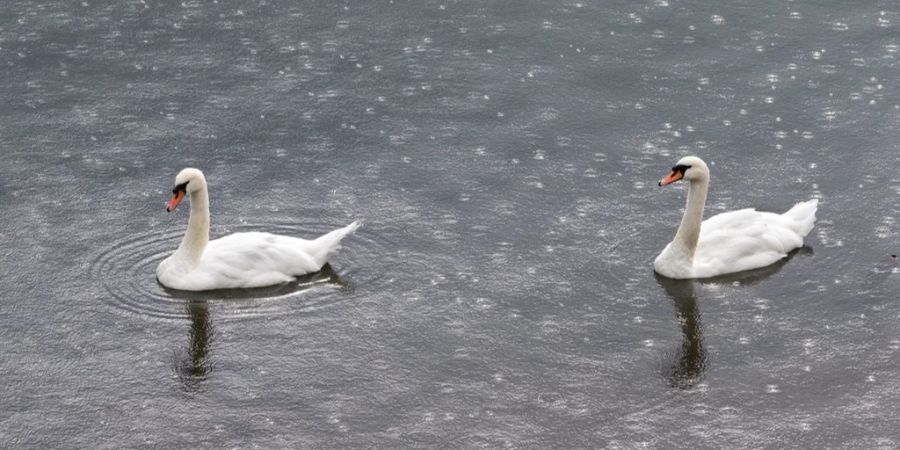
<point x="686" y="370"/>
<point x="194" y="365"/>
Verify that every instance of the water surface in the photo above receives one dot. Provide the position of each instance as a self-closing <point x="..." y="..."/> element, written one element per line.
<point x="504" y="158"/>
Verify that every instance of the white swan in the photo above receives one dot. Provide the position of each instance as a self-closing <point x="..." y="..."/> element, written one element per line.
<point x="239" y="260"/>
<point x="730" y="242"/>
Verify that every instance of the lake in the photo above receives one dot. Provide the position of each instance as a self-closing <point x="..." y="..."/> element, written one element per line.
<point x="503" y="157"/>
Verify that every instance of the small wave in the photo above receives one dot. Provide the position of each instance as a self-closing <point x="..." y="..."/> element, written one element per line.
<point x="126" y="271"/>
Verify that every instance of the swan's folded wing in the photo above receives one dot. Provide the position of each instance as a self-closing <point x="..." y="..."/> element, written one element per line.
<point x="255" y="259"/>
<point x="742" y="240"/>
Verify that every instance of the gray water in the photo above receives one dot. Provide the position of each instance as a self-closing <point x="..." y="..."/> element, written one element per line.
<point x="503" y="156"/>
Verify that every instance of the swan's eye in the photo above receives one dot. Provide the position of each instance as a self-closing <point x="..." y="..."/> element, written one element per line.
<point x="681" y="168"/>
<point x="180" y="188"/>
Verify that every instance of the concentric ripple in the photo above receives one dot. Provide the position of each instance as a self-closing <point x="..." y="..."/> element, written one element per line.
<point x="127" y="272"/>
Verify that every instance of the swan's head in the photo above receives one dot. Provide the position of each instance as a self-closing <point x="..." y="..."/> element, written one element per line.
<point x="186" y="182"/>
<point x="689" y="168"/>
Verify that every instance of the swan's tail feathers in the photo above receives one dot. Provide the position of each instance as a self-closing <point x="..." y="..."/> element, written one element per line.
<point x="803" y="214"/>
<point x="329" y="243"/>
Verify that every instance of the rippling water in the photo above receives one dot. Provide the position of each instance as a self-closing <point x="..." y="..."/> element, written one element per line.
<point x="122" y="271"/>
<point x="503" y="157"/>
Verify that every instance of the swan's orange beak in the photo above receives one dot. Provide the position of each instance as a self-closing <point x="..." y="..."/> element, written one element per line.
<point x="177" y="197"/>
<point x="671" y="178"/>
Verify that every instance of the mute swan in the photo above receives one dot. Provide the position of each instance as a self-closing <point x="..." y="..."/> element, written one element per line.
<point x="730" y="242"/>
<point x="239" y="260"/>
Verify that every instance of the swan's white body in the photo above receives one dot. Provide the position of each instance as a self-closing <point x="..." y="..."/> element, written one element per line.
<point x="730" y="242"/>
<point x="239" y="260"/>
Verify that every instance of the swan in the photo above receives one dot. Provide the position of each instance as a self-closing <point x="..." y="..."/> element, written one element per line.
<point x="239" y="260"/>
<point x="730" y="242"/>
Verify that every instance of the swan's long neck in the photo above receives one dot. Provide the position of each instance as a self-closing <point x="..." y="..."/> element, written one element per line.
<point x="197" y="235"/>
<point x="689" y="230"/>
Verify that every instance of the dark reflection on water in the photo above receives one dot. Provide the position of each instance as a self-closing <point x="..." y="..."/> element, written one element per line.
<point x="689" y="362"/>
<point x="687" y="368"/>
<point x="195" y="366"/>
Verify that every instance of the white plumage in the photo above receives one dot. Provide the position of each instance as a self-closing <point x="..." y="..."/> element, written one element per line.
<point x="730" y="242"/>
<point x="239" y="260"/>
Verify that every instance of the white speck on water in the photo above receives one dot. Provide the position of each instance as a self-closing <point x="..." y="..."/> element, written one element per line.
<point x="648" y="343"/>
<point x="808" y="344"/>
<point x="717" y="19"/>
<point x="772" y="389"/>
